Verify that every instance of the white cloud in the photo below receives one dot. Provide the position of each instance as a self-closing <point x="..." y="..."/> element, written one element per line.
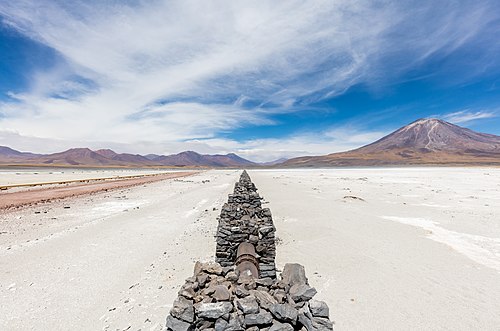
<point x="310" y="143"/>
<point x="465" y="116"/>
<point x="159" y="73"/>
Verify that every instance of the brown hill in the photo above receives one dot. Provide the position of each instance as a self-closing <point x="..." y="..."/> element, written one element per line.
<point x="425" y="141"/>
<point x="108" y="158"/>
<point x="191" y="158"/>
<point x="125" y="158"/>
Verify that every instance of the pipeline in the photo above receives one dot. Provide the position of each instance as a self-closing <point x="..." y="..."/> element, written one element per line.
<point x="246" y="260"/>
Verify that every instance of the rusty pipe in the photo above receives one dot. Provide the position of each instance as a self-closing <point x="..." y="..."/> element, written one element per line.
<point x="246" y="259"/>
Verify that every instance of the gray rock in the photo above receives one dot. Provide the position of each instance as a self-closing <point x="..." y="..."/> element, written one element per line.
<point x="248" y="305"/>
<point x="253" y="239"/>
<point x="183" y="309"/>
<point x="264" y="281"/>
<point x="241" y="291"/>
<point x="302" y="292"/>
<point x="209" y="290"/>
<point x="266" y="229"/>
<point x="280" y="295"/>
<point x="221" y="293"/>
<point x="294" y="273"/>
<point x="322" y="324"/>
<point x="262" y="318"/>
<point x="204" y="325"/>
<point x="198" y="267"/>
<point x="177" y="324"/>
<point x="264" y="299"/>
<point x="213" y="268"/>
<point x="277" y="326"/>
<point x="305" y="321"/>
<point x="305" y="317"/>
<point x="225" y="270"/>
<point x="220" y="325"/>
<point x="235" y="323"/>
<point x="213" y="310"/>
<point x="284" y="312"/>
<point x="319" y="308"/>
<point x="202" y="279"/>
<point x="231" y="276"/>
<point x="187" y="290"/>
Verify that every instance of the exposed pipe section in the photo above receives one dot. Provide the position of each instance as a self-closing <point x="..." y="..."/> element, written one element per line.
<point x="246" y="260"/>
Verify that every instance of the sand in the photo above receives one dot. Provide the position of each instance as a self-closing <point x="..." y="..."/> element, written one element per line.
<point x="420" y="251"/>
<point x="14" y="175"/>
<point x="388" y="249"/>
<point x="112" y="260"/>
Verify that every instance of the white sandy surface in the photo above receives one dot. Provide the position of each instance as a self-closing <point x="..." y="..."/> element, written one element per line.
<point x="421" y="251"/>
<point x="111" y="261"/>
<point x="418" y="251"/>
<point x="17" y="176"/>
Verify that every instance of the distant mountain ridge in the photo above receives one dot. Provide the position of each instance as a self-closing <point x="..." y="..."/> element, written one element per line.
<point x="424" y="141"/>
<point x="107" y="158"/>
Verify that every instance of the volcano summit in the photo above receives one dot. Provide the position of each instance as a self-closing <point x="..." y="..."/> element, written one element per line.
<point x="425" y="141"/>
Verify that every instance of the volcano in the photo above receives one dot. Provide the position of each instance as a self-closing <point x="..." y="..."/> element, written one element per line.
<point x="425" y="141"/>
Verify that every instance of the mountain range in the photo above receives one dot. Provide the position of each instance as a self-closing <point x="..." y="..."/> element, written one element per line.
<point x="107" y="158"/>
<point x="425" y="141"/>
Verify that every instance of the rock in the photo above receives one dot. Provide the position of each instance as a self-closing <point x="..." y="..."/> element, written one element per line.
<point x="305" y="321"/>
<point x="253" y="239"/>
<point x="241" y="291"/>
<point x="235" y="323"/>
<point x="253" y="328"/>
<point x="319" y="308"/>
<point x="284" y="312"/>
<point x="220" y="325"/>
<point x="322" y="324"/>
<point x="302" y="292"/>
<point x="187" y="291"/>
<point x="198" y="267"/>
<point x="277" y="326"/>
<point x="209" y="290"/>
<point x="262" y="318"/>
<point x="204" y="325"/>
<point x="294" y="273"/>
<point x="264" y="299"/>
<point x="225" y="270"/>
<point x="221" y="293"/>
<point x="280" y="295"/>
<point x="313" y="323"/>
<point x="248" y="305"/>
<point x="177" y="324"/>
<point x="213" y="310"/>
<point x="183" y="309"/>
<point x="231" y="276"/>
<point x="213" y="268"/>
<point x="266" y="229"/>
<point x="202" y="279"/>
<point x="264" y="281"/>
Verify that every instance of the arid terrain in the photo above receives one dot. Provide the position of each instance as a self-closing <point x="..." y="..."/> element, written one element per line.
<point x="424" y="141"/>
<point x="387" y="249"/>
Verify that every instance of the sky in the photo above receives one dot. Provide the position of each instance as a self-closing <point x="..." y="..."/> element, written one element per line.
<point x="263" y="79"/>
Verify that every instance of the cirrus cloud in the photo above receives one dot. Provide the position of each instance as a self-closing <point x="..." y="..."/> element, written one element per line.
<point x="174" y="71"/>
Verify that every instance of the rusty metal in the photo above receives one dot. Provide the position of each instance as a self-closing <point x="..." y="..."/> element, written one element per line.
<point x="246" y="259"/>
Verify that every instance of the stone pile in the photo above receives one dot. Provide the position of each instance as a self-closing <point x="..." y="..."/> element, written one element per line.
<point x="242" y="219"/>
<point x="218" y="298"/>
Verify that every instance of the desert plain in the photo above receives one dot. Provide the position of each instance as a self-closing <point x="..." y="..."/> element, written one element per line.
<point x="415" y="248"/>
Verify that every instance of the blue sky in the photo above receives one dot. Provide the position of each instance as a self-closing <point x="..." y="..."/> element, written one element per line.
<point x="264" y="79"/>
